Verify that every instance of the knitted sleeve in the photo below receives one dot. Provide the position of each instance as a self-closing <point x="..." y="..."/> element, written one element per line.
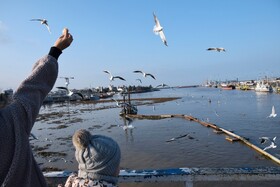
<point x="33" y="90"/>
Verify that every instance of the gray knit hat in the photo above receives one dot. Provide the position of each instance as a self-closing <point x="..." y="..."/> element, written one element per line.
<point x="98" y="157"/>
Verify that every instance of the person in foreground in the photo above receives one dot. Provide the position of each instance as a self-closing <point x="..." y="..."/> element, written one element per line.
<point x="17" y="117"/>
<point x="98" y="157"/>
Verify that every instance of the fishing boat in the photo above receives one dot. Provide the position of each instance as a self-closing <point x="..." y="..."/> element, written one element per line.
<point x="227" y="86"/>
<point x="94" y="97"/>
<point x="128" y="108"/>
<point x="247" y="86"/>
<point x="261" y="87"/>
<point x="106" y="95"/>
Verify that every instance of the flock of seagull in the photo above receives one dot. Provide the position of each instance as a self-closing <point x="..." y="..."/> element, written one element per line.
<point x="112" y="77"/>
<point x="158" y="30"/>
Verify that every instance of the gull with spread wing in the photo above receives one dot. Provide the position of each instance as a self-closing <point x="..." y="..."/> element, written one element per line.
<point x="162" y="85"/>
<point x="139" y="80"/>
<point x="43" y="22"/>
<point x="113" y="77"/>
<point x="218" y="49"/>
<point x="272" y="145"/>
<point x="69" y="92"/>
<point x="158" y="30"/>
<point x="144" y="74"/>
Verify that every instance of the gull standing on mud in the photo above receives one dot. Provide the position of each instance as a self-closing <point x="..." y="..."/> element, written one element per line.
<point x="218" y="49"/>
<point x="43" y="22"/>
<point x="113" y="77"/>
<point x="158" y="30"/>
<point x="144" y="74"/>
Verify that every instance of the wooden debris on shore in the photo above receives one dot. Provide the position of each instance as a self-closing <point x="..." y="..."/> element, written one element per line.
<point x="232" y="137"/>
<point x="218" y="131"/>
<point x="155" y="117"/>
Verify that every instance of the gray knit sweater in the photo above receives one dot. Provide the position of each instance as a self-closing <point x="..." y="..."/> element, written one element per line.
<point x="17" y="164"/>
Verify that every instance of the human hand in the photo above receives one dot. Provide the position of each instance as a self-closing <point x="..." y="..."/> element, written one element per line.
<point x="64" y="41"/>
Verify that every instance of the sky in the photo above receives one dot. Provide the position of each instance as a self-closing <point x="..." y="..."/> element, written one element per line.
<point x="118" y="36"/>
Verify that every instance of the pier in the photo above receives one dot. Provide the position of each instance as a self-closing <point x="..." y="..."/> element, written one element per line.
<point x="189" y="176"/>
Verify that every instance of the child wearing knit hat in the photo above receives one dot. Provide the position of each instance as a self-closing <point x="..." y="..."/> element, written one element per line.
<point x="98" y="157"/>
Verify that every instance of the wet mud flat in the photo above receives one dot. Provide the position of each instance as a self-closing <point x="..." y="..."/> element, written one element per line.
<point x="51" y="151"/>
<point x="59" y="120"/>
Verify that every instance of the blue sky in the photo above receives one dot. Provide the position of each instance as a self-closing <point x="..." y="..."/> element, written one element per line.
<point x="117" y="36"/>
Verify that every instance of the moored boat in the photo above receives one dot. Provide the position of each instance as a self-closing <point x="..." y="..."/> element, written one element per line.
<point x="227" y="86"/>
<point x="261" y="87"/>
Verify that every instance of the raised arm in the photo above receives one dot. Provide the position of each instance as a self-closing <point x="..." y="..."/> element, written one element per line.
<point x="32" y="91"/>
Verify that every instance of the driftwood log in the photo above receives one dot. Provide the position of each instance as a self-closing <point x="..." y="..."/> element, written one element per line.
<point x="232" y="137"/>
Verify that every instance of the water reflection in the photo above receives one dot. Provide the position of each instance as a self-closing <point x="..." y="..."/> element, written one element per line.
<point x="128" y="128"/>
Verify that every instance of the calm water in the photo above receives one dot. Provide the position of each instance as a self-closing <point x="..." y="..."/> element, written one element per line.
<point x="145" y="146"/>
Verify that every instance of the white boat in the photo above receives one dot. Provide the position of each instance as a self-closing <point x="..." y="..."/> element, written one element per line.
<point x="261" y="87"/>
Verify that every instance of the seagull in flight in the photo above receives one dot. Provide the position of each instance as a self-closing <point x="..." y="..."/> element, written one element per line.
<point x="43" y="22"/>
<point x="273" y="114"/>
<point x="144" y="74"/>
<point x="218" y="49"/>
<point x="113" y="77"/>
<point x="139" y="80"/>
<point x="158" y="30"/>
<point x="265" y="139"/>
<point x="69" y="92"/>
<point x="162" y="85"/>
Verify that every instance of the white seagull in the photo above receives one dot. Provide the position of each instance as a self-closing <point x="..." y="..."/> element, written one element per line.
<point x="113" y="77"/>
<point x="144" y="74"/>
<point x="127" y="126"/>
<point x="69" y="92"/>
<point x="218" y="49"/>
<point x="120" y="104"/>
<point x="43" y="22"/>
<point x="273" y="114"/>
<point x="265" y="139"/>
<point x="158" y="29"/>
